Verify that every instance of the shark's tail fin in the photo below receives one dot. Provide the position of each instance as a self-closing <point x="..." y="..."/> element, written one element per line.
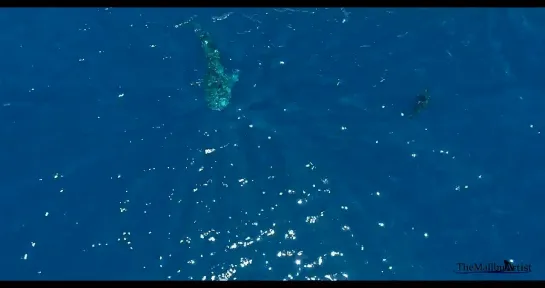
<point x="203" y="35"/>
<point x="197" y="27"/>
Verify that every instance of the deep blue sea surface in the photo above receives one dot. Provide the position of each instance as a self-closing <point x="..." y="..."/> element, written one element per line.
<point x="113" y="167"/>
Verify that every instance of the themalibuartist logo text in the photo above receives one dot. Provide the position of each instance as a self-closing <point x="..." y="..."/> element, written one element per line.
<point x="507" y="267"/>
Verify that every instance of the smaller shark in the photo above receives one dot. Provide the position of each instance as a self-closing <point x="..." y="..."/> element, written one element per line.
<point x="422" y="101"/>
<point x="218" y="83"/>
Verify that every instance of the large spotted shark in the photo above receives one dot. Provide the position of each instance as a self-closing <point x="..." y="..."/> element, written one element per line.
<point x="217" y="82"/>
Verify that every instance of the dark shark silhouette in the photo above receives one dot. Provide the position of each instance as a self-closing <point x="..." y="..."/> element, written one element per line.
<point x="422" y="101"/>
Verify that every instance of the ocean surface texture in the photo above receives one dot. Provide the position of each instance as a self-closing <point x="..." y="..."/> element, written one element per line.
<point x="113" y="167"/>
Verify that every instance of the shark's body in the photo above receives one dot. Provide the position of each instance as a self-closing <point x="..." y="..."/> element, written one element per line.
<point x="217" y="83"/>
<point x="422" y="101"/>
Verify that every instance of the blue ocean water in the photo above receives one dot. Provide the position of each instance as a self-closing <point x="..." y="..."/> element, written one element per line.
<point x="114" y="168"/>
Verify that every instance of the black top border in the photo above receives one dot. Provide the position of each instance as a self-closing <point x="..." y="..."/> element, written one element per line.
<point x="276" y="4"/>
<point x="298" y="282"/>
